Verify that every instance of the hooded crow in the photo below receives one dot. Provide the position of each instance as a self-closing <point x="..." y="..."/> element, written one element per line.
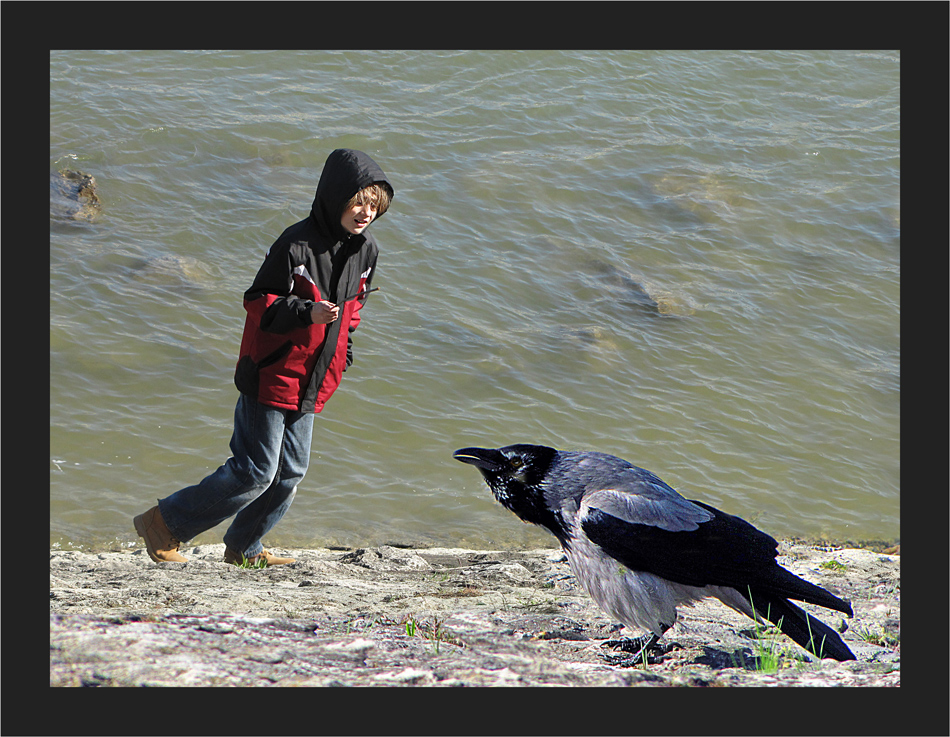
<point x="640" y="549"/>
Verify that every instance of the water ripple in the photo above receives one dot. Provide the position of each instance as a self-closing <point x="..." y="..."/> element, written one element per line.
<point x="689" y="259"/>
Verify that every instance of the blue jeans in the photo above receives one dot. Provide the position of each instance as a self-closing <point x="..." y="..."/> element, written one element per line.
<point x="270" y="452"/>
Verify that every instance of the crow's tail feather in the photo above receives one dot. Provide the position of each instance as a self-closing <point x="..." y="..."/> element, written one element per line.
<point x="812" y="634"/>
<point x="790" y="586"/>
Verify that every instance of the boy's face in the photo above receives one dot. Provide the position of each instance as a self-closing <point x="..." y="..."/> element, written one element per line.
<point x="357" y="217"/>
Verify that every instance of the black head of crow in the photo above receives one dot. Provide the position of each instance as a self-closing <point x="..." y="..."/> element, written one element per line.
<point x="515" y="475"/>
<point x="671" y="551"/>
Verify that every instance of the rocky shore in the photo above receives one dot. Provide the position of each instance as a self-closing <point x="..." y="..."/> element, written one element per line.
<point x="392" y="616"/>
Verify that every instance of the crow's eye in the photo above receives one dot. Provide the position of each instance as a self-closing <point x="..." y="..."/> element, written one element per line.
<point x="516" y="463"/>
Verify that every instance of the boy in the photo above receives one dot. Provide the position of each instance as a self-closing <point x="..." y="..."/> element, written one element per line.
<point x="301" y="310"/>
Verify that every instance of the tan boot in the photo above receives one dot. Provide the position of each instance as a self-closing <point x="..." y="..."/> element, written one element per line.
<point x="162" y="546"/>
<point x="237" y="558"/>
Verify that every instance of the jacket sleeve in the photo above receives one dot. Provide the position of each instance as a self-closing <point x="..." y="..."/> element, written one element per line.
<point x="288" y="311"/>
<point x="355" y="318"/>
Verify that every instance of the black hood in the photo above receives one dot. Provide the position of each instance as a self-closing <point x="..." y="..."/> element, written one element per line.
<point x="345" y="173"/>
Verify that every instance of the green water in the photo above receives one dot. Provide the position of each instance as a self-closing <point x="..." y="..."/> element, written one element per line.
<point x="688" y="259"/>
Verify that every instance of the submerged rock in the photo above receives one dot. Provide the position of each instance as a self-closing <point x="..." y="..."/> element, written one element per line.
<point x="634" y="291"/>
<point x="707" y="197"/>
<point x="73" y="196"/>
<point x="172" y="271"/>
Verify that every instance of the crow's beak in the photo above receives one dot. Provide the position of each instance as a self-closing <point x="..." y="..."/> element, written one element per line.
<point x="486" y="459"/>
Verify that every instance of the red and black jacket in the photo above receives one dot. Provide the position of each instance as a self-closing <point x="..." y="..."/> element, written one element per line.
<point x="286" y="361"/>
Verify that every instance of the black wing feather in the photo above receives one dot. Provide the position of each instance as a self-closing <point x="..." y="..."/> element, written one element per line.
<point x="725" y="551"/>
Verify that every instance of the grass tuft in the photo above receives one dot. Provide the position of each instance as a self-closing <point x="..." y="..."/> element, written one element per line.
<point x="433" y="631"/>
<point x="245" y="563"/>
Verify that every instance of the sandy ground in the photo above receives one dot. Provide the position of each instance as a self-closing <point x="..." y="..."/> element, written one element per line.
<point x="428" y="617"/>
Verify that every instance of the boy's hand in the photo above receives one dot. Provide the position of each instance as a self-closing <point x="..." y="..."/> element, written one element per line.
<point x="324" y="312"/>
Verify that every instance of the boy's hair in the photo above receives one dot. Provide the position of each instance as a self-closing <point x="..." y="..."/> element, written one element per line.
<point x="375" y="194"/>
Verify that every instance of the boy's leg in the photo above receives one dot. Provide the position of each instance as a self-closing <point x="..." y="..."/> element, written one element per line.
<point x="255" y="448"/>
<point x="257" y="518"/>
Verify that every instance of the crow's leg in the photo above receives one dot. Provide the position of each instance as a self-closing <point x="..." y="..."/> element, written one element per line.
<point x="636" y="649"/>
<point x="632" y="644"/>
